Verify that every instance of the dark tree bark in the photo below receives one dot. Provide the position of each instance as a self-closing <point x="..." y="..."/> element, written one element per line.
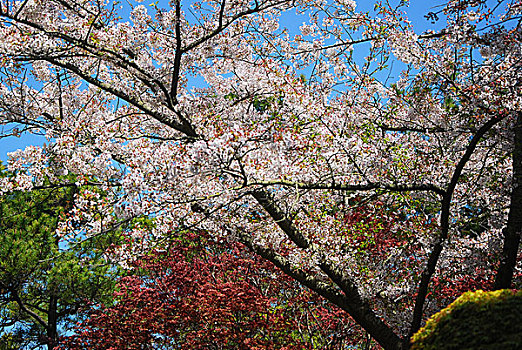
<point x="52" y="322"/>
<point x="513" y="229"/>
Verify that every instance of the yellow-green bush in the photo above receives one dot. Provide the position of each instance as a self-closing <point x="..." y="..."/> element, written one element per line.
<point x="476" y="320"/>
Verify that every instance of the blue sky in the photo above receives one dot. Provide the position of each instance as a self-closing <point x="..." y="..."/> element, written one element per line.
<point x="416" y="12"/>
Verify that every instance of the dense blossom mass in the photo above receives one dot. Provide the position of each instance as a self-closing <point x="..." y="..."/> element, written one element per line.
<point x="376" y="164"/>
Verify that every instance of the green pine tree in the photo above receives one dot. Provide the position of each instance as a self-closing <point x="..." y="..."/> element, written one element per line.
<point x="44" y="283"/>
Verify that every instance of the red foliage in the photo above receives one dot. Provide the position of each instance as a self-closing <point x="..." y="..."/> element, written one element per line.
<point x="371" y="229"/>
<point x="447" y="287"/>
<point x="200" y="295"/>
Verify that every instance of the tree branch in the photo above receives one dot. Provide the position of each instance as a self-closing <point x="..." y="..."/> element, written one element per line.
<point x="31" y="313"/>
<point x="351" y="303"/>
<point x="513" y="229"/>
<point x="360" y="310"/>
<point x="266" y="201"/>
<point x="181" y="127"/>
<point x="177" y="57"/>
<point x="354" y="187"/>
<point x="444" y="225"/>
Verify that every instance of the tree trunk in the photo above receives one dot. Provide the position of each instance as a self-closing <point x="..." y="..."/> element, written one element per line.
<point x="513" y="229"/>
<point x="52" y="322"/>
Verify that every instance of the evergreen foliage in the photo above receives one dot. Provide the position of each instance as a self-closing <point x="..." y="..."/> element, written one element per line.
<point x="44" y="281"/>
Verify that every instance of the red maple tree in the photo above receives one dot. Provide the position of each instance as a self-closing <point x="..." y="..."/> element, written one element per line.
<point x="201" y="294"/>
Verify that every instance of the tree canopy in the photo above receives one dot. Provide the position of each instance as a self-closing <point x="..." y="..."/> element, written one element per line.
<point x="44" y="283"/>
<point x="375" y="164"/>
<point x="195" y="293"/>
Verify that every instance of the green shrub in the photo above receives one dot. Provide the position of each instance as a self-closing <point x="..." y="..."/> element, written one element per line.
<point x="476" y="320"/>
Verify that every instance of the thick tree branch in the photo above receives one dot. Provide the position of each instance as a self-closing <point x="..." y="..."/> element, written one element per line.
<point x="267" y="202"/>
<point x="177" y="56"/>
<point x="184" y="128"/>
<point x="352" y="303"/>
<point x="31" y="313"/>
<point x="513" y="229"/>
<point x="354" y="187"/>
<point x="361" y="311"/>
<point x="434" y="256"/>
<point x="435" y="129"/>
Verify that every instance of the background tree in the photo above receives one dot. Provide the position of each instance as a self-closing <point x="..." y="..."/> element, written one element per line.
<point x="364" y="183"/>
<point x="200" y="294"/>
<point x="43" y="281"/>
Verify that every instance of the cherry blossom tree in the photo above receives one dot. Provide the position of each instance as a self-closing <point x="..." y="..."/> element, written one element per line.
<point x="377" y="165"/>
